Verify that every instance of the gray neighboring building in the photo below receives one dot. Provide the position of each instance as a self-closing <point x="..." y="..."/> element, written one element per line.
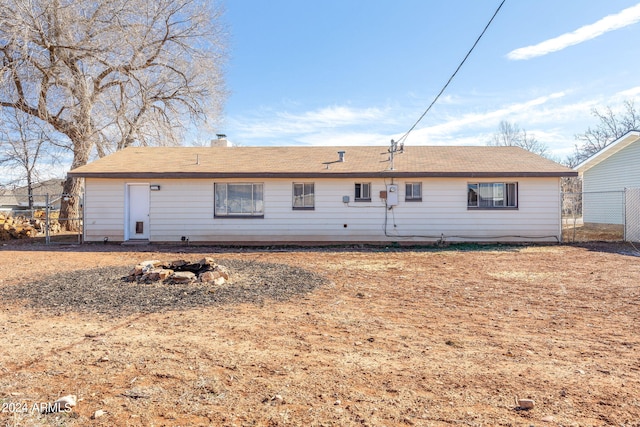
<point x="18" y="198"/>
<point x="605" y="177"/>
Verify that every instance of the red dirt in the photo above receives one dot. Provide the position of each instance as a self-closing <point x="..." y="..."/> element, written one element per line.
<point x="429" y="337"/>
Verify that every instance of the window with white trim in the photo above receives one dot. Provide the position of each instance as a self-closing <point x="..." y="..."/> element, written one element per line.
<point x="413" y="192"/>
<point x="240" y="199"/>
<point x="303" y="196"/>
<point x="363" y="192"/>
<point x="492" y="195"/>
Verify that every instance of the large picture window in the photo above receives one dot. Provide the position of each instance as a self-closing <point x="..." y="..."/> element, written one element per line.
<point x="490" y="195"/>
<point x="303" y="195"/>
<point x="239" y="199"/>
<point x="363" y="192"/>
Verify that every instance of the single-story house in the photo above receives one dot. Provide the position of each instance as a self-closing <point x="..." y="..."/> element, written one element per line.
<point x="313" y="194"/>
<point x="605" y="177"/>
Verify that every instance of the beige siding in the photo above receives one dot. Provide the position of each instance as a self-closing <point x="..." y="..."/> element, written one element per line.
<point x="104" y="209"/>
<point x="186" y="208"/>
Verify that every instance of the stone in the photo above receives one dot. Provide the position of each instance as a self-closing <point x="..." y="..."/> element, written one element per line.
<point x="156" y="274"/>
<point x="64" y="404"/>
<point x="526" y="403"/>
<point x="144" y="267"/>
<point x="179" y="271"/>
<point x="209" y="276"/>
<point x="149" y="265"/>
<point x="223" y="271"/>
<point x="182" y="277"/>
<point x="207" y="262"/>
<point x="548" y="419"/>
<point x="214" y="276"/>
<point x="99" y="413"/>
<point x="165" y="273"/>
<point x="151" y="262"/>
<point x="150" y="275"/>
<point x="175" y="265"/>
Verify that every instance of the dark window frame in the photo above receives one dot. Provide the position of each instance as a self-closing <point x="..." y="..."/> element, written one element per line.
<point x="497" y="195"/>
<point x="256" y="202"/>
<point x="409" y="195"/>
<point x="303" y="196"/>
<point x="362" y="192"/>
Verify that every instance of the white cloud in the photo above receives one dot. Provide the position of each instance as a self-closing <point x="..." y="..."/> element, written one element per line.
<point x="619" y="20"/>
<point x="339" y="125"/>
<point x="334" y="116"/>
<point x="306" y="125"/>
<point x="628" y="94"/>
<point x="487" y="119"/>
<point x="553" y="119"/>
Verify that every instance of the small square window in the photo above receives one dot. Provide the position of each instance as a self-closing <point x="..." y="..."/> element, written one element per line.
<point x="303" y="195"/>
<point x="413" y="192"/>
<point x="363" y="192"/>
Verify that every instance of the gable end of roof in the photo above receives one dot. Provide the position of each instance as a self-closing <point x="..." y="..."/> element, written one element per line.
<point x="619" y="144"/>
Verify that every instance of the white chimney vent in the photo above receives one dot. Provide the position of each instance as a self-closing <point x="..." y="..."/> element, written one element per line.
<point x="341" y="156"/>
<point x="221" y="141"/>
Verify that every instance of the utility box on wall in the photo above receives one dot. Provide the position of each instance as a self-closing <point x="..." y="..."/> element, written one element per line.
<point x="392" y="195"/>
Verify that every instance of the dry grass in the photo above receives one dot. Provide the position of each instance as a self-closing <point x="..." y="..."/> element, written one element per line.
<point x="409" y="337"/>
<point x="592" y="232"/>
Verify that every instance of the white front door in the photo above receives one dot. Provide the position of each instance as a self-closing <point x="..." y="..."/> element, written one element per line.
<point x="138" y="218"/>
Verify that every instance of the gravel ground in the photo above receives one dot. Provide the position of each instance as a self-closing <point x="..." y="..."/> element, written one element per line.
<point x="103" y="290"/>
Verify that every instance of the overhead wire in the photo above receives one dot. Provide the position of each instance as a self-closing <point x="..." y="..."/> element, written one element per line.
<point x="404" y="137"/>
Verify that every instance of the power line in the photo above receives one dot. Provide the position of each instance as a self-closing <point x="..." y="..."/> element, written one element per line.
<point x="403" y="137"/>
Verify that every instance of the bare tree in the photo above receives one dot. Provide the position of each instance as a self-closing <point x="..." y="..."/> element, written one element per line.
<point x="23" y="148"/>
<point x="108" y="74"/>
<point x="510" y="134"/>
<point x="611" y="126"/>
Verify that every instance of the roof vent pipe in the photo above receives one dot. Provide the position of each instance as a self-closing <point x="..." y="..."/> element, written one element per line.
<point x="341" y="156"/>
<point x="221" y="141"/>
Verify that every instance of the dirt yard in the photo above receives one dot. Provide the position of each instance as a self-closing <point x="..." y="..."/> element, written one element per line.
<point x="324" y="337"/>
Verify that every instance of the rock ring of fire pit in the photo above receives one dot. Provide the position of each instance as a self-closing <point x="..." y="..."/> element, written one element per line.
<point x="205" y="270"/>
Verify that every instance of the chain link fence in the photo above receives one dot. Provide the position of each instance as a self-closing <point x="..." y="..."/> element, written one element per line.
<point x="632" y="215"/>
<point x="36" y="217"/>
<point x="594" y="216"/>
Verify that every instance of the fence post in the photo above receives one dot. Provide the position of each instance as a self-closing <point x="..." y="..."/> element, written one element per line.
<point x="47" y="211"/>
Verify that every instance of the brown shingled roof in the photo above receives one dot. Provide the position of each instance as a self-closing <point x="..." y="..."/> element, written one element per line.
<point x="315" y="161"/>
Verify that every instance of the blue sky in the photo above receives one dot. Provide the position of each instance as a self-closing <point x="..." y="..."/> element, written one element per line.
<point x="361" y="72"/>
<point x="356" y="72"/>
